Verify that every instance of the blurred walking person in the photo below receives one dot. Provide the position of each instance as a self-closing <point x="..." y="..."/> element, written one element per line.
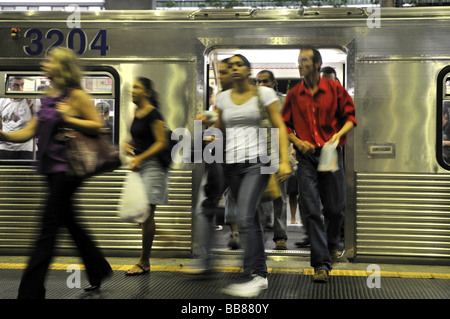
<point x="239" y="109"/>
<point x="148" y="139"/>
<point x="66" y="105"/>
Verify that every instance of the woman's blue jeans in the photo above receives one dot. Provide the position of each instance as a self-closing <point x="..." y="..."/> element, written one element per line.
<point x="247" y="186"/>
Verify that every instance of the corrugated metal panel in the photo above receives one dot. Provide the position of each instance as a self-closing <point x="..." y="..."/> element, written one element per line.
<point x="23" y="194"/>
<point x="403" y="215"/>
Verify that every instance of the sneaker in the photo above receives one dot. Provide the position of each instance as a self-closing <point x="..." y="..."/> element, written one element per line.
<point x="234" y="242"/>
<point x="251" y="288"/>
<point x="320" y="275"/>
<point x="196" y="269"/>
<point x="280" y="245"/>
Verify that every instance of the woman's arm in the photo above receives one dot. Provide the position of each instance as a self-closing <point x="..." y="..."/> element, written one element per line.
<point x="80" y="113"/>
<point x="128" y="148"/>
<point x="161" y="142"/>
<point x="219" y="123"/>
<point x="22" y="135"/>
<point x="284" y="171"/>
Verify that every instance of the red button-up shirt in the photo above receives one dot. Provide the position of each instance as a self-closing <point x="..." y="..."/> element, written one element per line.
<point x="317" y="118"/>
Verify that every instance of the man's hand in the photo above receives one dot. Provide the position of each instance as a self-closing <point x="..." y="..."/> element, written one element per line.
<point x="304" y="147"/>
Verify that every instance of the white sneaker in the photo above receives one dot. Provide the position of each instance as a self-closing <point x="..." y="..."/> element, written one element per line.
<point x="195" y="270"/>
<point x="251" y="288"/>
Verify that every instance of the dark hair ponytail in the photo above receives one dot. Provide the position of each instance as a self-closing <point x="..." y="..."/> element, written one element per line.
<point x="148" y="84"/>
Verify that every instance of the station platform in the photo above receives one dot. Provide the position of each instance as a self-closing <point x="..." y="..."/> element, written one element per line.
<point x="291" y="286"/>
<point x="289" y="282"/>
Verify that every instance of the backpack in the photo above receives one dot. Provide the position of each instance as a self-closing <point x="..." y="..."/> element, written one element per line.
<point x="165" y="156"/>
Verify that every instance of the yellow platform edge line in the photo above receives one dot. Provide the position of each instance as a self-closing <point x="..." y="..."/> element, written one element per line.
<point x="334" y="272"/>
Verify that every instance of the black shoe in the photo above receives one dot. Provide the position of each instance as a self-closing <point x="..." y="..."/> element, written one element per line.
<point x="303" y="244"/>
<point x="96" y="286"/>
<point x="91" y="288"/>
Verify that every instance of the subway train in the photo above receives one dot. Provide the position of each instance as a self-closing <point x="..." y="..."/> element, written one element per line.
<point x="395" y="63"/>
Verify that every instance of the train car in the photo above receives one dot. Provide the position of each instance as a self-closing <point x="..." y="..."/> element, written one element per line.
<point x="394" y="62"/>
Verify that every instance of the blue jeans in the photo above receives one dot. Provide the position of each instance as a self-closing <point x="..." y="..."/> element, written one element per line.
<point x="279" y="212"/>
<point x="212" y="188"/>
<point x="247" y="186"/>
<point x="319" y="190"/>
<point x="275" y="211"/>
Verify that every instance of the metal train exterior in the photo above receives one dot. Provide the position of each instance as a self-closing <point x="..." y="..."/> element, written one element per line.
<point x="396" y="65"/>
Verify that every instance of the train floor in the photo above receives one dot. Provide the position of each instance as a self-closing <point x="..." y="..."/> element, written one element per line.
<point x="290" y="283"/>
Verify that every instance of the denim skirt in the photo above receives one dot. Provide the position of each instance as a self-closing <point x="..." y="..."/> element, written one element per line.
<point x="155" y="179"/>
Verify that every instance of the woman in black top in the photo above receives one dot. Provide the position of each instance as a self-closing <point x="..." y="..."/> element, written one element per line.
<point x="148" y="139"/>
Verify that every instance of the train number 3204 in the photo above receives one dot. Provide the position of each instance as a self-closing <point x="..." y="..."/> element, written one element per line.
<point x="76" y="40"/>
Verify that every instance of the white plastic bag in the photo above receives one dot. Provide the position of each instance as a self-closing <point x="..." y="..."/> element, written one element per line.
<point x="135" y="205"/>
<point x="328" y="161"/>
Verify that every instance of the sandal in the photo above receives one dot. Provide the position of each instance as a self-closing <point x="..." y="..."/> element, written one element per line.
<point x="144" y="271"/>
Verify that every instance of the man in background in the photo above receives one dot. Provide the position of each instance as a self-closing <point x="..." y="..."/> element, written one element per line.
<point x="14" y="115"/>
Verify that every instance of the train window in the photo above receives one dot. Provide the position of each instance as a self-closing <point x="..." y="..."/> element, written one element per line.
<point x="20" y="100"/>
<point x="443" y="125"/>
<point x="447" y="87"/>
<point x="97" y="84"/>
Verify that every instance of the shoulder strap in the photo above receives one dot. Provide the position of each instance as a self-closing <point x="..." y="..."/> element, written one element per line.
<point x="263" y="115"/>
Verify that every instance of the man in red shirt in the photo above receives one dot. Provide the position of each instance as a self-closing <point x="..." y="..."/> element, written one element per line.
<point x="319" y="111"/>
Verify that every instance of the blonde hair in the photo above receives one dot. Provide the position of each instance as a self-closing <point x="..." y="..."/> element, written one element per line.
<point x="68" y="70"/>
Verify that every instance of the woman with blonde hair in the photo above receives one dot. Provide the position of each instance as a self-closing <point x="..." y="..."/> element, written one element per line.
<point x="66" y="105"/>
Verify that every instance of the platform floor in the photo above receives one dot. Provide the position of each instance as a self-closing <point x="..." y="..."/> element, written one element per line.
<point x="408" y="288"/>
<point x="290" y="283"/>
<point x="169" y="282"/>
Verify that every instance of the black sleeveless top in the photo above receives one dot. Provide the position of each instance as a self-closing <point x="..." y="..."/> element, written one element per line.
<point x="141" y="131"/>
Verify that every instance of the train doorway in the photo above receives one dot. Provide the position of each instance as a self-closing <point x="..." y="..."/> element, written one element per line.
<point x="284" y="66"/>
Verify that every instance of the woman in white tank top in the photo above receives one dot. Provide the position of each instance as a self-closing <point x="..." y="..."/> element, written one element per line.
<point x="239" y="113"/>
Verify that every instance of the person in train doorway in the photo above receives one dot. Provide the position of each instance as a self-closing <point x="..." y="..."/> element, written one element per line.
<point x="445" y="135"/>
<point x="326" y="72"/>
<point x="15" y="115"/>
<point x="103" y="110"/>
<point x="66" y="105"/>
<point x="239" y="108"/>
<point x="277" y="209"/>
<point x="319" y="111"/>
<point x="226" y="82"/>
<point x="148" y="138"/>
<point x="213" y="188"/>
